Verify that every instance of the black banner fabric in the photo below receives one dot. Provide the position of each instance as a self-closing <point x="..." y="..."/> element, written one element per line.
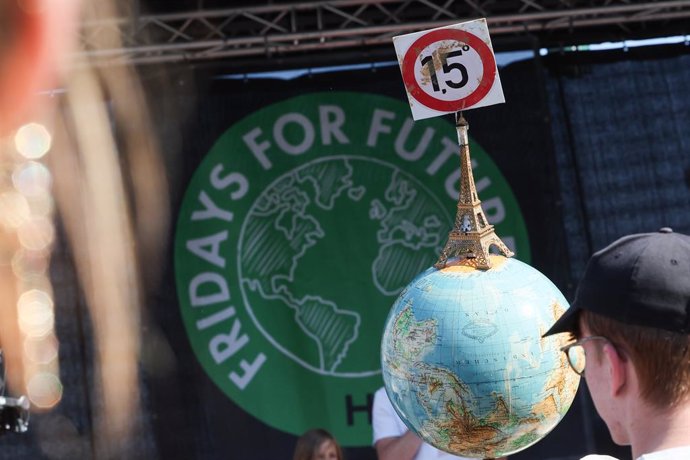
<point x="622" y="156"/>
<point x="276" y="317"/>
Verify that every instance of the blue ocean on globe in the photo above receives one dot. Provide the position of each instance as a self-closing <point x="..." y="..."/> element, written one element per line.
<point x="464" y="362"/>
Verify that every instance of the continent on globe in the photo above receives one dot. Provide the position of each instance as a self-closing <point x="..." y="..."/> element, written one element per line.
<point x="464" y="363"/>
<point x="412" y="338"/>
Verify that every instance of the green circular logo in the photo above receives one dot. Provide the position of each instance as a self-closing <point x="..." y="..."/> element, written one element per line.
<point x="296" y="234"/>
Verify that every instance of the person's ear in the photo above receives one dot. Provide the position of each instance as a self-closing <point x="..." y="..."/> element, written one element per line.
<point x="41" y="33"/>
<point x="618" y="369"/>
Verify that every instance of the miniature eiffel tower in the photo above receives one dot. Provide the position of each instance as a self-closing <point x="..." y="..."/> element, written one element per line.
<point x="472" y="234"/>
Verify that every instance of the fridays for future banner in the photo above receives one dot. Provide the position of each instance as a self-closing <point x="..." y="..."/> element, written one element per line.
<point x="297" y="231"/>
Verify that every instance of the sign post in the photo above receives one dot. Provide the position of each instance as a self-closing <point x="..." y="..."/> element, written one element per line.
<point x="449" y="69"/>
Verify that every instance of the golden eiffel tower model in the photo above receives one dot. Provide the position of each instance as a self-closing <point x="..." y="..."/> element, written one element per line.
<point x="472" y="234"/>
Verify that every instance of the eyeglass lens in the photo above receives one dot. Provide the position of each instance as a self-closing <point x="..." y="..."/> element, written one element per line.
<point x="576" y="356"/>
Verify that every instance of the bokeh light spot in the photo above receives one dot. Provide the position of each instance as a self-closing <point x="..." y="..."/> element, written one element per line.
<point x="32" y="178"/>
<point x="44" y="390"/>
<point x="36" y="234"/>
<point x="41" y="350"/>
<point x="35" y="313"/>
<point x="32" y="141"/>
<point x="14" y="209"/>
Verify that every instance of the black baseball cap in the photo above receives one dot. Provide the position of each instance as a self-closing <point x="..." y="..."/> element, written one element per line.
<point x="641" y="279"/>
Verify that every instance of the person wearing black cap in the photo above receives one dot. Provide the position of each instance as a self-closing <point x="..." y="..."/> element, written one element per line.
<point x="631" y="322"/>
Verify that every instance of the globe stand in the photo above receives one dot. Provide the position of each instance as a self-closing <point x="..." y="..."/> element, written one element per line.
<point x="472" y="235"/>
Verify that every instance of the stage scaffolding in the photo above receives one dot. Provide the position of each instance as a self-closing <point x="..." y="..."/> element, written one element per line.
<point x="330" y="32"/>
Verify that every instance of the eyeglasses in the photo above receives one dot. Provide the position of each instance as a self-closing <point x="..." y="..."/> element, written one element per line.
<point x="576" y="353"/>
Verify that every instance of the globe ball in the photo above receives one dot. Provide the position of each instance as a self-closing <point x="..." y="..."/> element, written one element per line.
<point x="464" y="362"/>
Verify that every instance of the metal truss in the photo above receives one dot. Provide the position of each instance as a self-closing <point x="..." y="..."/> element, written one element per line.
<point x="265" y="31"/>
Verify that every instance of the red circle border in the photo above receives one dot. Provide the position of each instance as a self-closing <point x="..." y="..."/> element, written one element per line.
<point x="416" y="91"/>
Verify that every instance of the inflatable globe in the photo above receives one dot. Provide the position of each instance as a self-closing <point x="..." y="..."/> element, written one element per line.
<point x="464" y="363"/>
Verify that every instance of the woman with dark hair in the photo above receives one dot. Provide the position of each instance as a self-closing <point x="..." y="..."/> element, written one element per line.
<point x="317" y="444"/>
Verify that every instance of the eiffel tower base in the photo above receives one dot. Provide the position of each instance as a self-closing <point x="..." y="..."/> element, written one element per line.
<point x="476" y="250"/>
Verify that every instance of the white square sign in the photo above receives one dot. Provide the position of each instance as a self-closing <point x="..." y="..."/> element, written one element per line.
<point x="449" y="69"/>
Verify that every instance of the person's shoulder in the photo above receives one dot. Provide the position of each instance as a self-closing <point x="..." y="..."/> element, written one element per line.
<point x="673" y="453"/>
<point x="598" y="457"/>
<point x="381" y="397"/>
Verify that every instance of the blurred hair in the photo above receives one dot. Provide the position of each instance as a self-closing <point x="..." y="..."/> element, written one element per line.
<point x="309" y="443"/>
<point x="661" y="358"/>
<point x="111" y="194"/>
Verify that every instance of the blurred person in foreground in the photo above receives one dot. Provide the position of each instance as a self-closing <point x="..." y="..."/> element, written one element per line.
<point x="317" y="444"/>
<point x="89" y="149"/>
<point x="631" y="322"/>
